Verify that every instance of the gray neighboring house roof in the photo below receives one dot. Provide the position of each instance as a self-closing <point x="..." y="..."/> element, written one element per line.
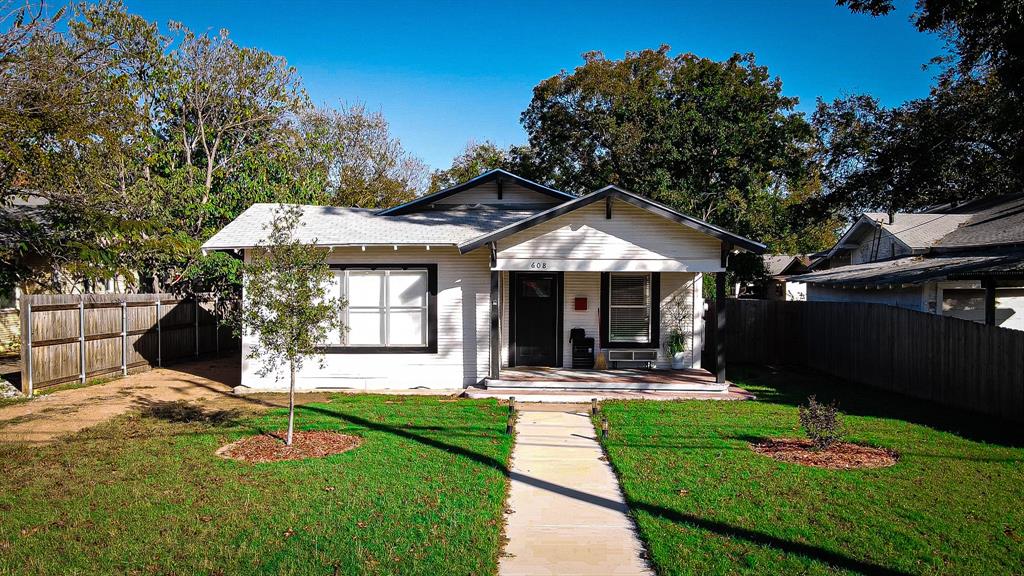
<point x="778" y="264"/>
<point x="915" y="270"/>
<point x="1000" y="224"/>
<point x="495" y="174"/>
<point x="336" y="226"/>
<point x="919" y="231"/>
<point x="987" y="240"/>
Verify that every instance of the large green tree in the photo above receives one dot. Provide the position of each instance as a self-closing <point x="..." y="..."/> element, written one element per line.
<point x="356" y="159"/>
<point x="73" y="140"/>
<point x="475" y="159"/>
<point x="716" y="139"/>
<point x="137" y="144"/>
<point x="964" y="140"/>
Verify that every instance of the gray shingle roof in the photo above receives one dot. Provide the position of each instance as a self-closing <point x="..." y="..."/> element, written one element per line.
<point x="336" y="226"/>
<point x="915" y="269"/>
<point x="776" y="264"/>
<point x="1002" y="223"/>
<point x="919" y="231"/>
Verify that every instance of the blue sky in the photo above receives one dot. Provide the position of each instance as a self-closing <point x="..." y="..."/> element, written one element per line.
<point x="445" y="73"/>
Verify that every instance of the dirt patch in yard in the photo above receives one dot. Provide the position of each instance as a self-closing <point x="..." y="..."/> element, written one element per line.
<point x="841" y="456"/>
<point x="48" y="417"/>
<point x="271" y="447"/>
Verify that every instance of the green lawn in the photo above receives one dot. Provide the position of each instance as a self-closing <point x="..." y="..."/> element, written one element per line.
<point x="146" y="494"/>
<point x="706" y="504"/>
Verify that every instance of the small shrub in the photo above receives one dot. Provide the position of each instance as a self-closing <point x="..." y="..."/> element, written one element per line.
<point x="676" y="342"/>
<point x="822" y="423"/>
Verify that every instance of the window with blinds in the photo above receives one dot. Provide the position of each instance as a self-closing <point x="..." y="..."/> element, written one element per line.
<point x="629" y="308"/>
<point x="385" y="307"/>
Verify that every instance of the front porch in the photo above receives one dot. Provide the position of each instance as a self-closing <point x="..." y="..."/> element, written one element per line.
<point x="545" y="378"/>
<point x="572" y="386"/>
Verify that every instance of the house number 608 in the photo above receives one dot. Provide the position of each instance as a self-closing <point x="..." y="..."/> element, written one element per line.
<point x="538" y="265"/>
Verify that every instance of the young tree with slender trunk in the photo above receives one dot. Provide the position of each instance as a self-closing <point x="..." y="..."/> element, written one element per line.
<point x="288" y="305"/>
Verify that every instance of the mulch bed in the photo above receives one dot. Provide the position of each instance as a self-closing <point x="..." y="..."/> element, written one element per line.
<point x="271" y="447"/>
<point x="841" y="456"/>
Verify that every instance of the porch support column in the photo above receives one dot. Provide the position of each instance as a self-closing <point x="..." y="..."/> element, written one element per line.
<point x="990" y="301"/>
<point x="720" y="317"/>
<point x="495" y="363"/>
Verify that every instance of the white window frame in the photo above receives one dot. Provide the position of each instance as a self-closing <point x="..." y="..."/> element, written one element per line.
<point x="385" y="307"/>
<point x="648" y="305"/>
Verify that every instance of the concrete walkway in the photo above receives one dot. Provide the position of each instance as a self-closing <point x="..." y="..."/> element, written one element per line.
<point x="567" y="515"/>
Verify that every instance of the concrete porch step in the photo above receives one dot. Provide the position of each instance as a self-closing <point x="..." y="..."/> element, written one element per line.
<point x="564" y="385"/>
<point x="564" y="396"/>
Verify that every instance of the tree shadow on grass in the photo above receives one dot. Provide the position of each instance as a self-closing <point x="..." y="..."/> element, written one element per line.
<point x="182" y="412"/>
<point x="759" y="538"/>
<point x="792" y="387"/>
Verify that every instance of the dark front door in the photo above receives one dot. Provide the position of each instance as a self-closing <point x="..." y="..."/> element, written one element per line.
<point x="536" y="319"/>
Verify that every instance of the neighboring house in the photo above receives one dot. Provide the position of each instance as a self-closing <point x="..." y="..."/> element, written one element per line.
<point x="448" y="289"/>
<point x="10" y="323"/>
<point x="29" y="209"/>
<point x="778" y="269"/>
<point x="965" y="261"/>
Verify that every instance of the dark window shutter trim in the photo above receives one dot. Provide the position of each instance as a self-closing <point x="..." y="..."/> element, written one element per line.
<point x="431" y="347"/>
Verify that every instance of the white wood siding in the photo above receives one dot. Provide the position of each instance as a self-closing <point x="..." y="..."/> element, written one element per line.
<point x="686" y="289"/>
<point x="888" y="246"/>
<point x="633" y="239"/>
<point x="463" y="316"/>
<point x="487" y="193"/>
<point x="584" y="285"/>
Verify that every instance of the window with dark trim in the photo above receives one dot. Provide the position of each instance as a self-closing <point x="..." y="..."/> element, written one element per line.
<point x="630" y="309"/>
<point x="391" y="308"/>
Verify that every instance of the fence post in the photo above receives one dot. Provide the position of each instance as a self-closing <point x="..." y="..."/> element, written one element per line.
<point x="124" y="337"/>
<point x="216" y="325"/>
<point x="27" y="344"/>
<point x="159" y="337"/>
<point x="195" y="312"/>
<point x="81" y="336"/>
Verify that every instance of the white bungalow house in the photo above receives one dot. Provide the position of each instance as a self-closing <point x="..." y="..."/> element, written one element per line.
<point x="471" y="284"/>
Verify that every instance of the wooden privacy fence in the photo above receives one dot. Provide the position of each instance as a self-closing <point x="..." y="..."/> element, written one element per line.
<point x="947" y="360"/>
<point x="69" y="337"/>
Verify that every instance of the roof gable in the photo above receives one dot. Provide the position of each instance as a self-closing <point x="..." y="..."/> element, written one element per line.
<point x="614" y="192"/>
<point x="631" y="234"/>
<point x="492" y="176"/>
<point x="919" y="231"/>
<point x="782" y="264"/>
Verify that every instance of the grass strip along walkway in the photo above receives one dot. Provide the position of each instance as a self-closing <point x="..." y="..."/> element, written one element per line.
<point x="705" y="503"/>
<point x="145" y="494"/>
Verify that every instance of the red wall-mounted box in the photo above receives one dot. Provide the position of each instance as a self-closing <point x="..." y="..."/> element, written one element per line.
<point x="579" y="304"/>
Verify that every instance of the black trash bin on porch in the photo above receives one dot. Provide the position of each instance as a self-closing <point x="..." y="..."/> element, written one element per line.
<point x="582" y="348"/>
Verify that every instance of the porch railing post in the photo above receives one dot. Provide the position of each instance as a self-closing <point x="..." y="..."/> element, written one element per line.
<point x="495" y="360"/>
<point x="720" y="317"/>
